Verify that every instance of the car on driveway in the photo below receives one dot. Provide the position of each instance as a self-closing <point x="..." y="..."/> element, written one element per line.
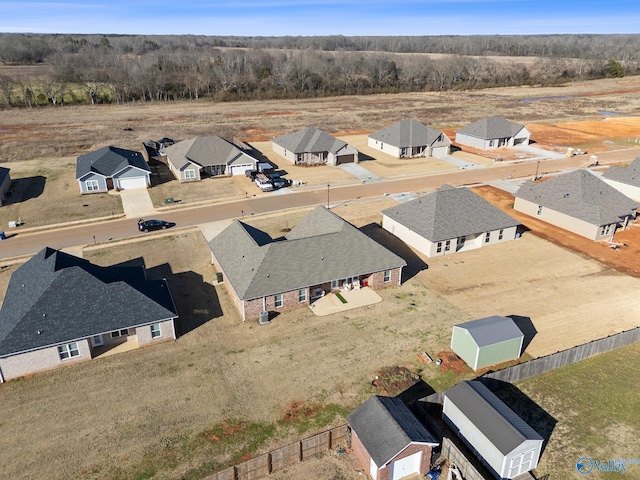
<point x="149" y="225"/>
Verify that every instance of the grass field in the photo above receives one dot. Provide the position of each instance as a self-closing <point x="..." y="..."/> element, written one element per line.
<point x="184" y="408"/>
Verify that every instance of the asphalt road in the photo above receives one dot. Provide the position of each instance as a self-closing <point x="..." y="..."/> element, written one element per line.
<point x="18" y="244"/>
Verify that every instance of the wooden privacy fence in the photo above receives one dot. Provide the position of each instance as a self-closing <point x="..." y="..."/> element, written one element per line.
<point x="565" y="357"/>
<point x="281" y="458"/>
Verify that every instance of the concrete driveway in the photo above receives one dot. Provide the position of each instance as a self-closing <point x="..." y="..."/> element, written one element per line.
<point x="136" y="203"/>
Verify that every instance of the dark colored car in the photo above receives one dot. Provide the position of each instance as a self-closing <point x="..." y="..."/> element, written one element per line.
<point x="278" y="181"/>
<point x="148" y="225"/>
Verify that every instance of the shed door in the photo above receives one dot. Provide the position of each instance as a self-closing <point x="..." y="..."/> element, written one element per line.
<point x="406" y="466"/>
<point x="521" y="463"/>
<point x="137" y="182"/>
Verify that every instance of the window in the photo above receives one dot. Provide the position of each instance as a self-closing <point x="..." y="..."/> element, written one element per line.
<point x="69" y="350"/>
<point x="605" y="230"/>
<point x="387" y="276"/>
<point x="120" y="333"/>
<point x="96" y="341"/>
<point x="189" y="174"/>
<point x="487" y="237"/>
<point x="302" y="295"/>
<point x="447" y="245"/>
<point x="335" y="284"/>
<point x="92" y="185"/>
<point x="439" y="248"/>
<point x="278" y="300"/>
<point x="500" y="234"/>
<point x="155" y="330"/>
<point x="539" y="210"/>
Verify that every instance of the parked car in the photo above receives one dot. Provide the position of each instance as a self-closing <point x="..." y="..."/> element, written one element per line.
<point x="278" y="181"/>
<point x="251" y="174"/>
<point x="149" y="225"/>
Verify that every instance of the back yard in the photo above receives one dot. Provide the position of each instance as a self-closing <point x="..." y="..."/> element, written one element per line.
<point x="181" y="409"/>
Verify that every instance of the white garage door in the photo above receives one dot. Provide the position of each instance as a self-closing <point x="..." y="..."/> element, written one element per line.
<point x="406" y="466"/>
<point x="128" y="183"/>
<point x="240" y="169"/>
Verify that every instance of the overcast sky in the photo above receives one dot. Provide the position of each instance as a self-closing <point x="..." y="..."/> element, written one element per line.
<point x="320" y="17"/>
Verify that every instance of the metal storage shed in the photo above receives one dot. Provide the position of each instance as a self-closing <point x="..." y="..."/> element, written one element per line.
<point x="504" y="442"/>
<point x="487" y="341"/>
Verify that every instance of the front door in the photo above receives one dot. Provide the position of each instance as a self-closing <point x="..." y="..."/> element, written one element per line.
<point x="460" y="243"/>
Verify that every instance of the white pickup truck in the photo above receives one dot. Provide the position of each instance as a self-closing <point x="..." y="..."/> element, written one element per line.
<point x="263" y="182"/>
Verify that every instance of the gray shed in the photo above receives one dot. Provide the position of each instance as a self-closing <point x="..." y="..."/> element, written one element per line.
<point x="487" y="341"/>
<point x="504" y="442"/>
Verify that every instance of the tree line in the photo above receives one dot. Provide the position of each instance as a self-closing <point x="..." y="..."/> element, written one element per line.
<point x="126" y="68"/>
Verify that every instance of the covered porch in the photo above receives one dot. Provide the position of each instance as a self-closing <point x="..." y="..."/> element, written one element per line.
<point x="343" y="300"/>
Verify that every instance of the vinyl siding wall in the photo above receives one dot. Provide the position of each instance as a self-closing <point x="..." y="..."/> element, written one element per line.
<point x="626" y="189"/>
<point x="498" y="353"/>
<point x="579" y="227"/>
<point x="463" y="345"/>
<point x="283" y="152"/>
<point x="384" y="147"/>
<point x="102" y="183"/>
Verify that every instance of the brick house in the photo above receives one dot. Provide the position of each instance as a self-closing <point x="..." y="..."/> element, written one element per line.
<point x="388" y="440"/>
<point x="60" y="309"/>
<point x="321" y="254"/>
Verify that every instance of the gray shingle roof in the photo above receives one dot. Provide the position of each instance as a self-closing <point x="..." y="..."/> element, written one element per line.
<point x="492" y="127"/>
<point x="322" y="248"/>
<point x="206" y="151"/>
<point x="108" y="161"/>
<point x="581" y="195"/>
<point x="450" y="213"/>
<point x="56" y="298"/>
<point x="410" y="133"/>
<point x="629" y="175"/>
<point x="386" y="426"/>
<point x="309" y="140"/>
<point x="491" y="330"/>
<point x="501" y="425"/>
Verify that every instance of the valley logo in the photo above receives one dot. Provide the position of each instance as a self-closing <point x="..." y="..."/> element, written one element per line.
<point x="586" y="465"/>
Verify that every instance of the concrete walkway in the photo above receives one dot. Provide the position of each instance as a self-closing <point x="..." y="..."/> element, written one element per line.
<point x="136" y="203"/>
<point x="361" y="173"/>
<point x="330" y="303"/>
<point x="539" y="152"/>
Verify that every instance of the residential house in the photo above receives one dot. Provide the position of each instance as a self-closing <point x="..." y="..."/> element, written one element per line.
<point x="208" y="156"/>
<point x="321" y="254"/>
<point x="577" y="201"/>
<point x="112" y="167"/>
<point x="493" y="132"/>
<point x="487" y="341"/>
<point x="625" y="179"/>
<point x="410" y="138"/>
<point x="449" y="220"/>
<point x="504" y="442"/>
<point x="5" y="183"/>
<point x="59" y="309"/>
<point x="388" y="440"/>
<point x="311" y="146"/>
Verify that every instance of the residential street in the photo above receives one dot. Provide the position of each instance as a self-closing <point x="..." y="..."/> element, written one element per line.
<point x="18" y="243"/>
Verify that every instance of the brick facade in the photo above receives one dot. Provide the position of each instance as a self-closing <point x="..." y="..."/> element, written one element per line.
<point x="383" y="473"/>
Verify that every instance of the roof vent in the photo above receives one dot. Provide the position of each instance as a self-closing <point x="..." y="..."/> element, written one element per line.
<point x="39" y="332"/>
<point x="44" y="314"/>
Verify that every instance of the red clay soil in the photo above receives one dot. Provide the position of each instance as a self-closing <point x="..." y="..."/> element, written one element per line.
<point x="625" y="258"/>
<point x="450" y="361"/>
<point x="393" y="380"/>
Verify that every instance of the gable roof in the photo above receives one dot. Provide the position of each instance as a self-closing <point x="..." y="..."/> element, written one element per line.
<point x="629" y="175"/>
<point x="108" y="161"/>
<point x="56" y="298"/>
<point x="386" y="426"/>
<point x="501" y="425"/>
<point x="491" y="330"/>
<point x="206" y="151"/>
<point x="450" y="213"/>
<point x="322" y="248"/>
<point x="581" y="195"/>
<point x="309" y="140"/>
<point x="492" y="127"/>
<point x="410" y="133"/>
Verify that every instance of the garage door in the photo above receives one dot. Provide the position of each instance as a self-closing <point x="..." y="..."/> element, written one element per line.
<point x="406" y="466"/>
<point x="128" y="183"/>
<point x="345" y="159"/>
<point x="240" y="169"/>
